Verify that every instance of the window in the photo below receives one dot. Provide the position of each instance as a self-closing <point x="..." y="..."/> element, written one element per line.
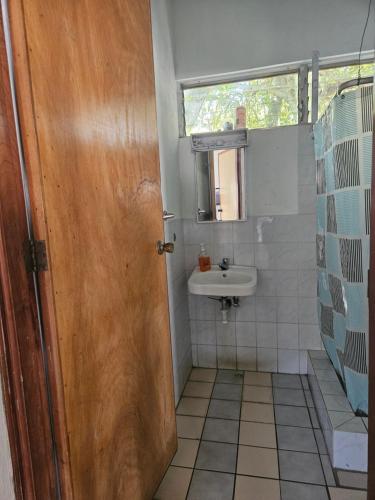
<point x="331" y="78"/>
<point x="269" y="102"/>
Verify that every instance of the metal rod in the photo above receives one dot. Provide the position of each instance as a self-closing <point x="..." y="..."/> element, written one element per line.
<point x="303" y="94"/>
<point x="355" y="82"/>
<point x="315" y="86"/>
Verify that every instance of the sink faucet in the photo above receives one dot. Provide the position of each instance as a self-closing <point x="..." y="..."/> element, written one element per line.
<point x="224" y="265"/>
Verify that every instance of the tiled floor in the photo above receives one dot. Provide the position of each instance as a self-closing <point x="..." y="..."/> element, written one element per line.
<point x="251" y="436"/>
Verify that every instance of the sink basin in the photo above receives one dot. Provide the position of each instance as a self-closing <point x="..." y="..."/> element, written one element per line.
<point x="237" y="281"/>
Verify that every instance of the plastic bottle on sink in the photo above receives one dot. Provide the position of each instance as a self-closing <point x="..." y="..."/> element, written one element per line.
<point x="204" y="259"/>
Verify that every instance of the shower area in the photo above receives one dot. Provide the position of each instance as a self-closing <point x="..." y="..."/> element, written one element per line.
<point x="339" y="375"/>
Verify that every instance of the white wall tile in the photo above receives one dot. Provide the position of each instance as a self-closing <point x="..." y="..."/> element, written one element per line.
<point x="305" y="140"/>
<point x="263" y="255"/>
<point x="266" y="360"/>
<point x="207" y="356"/>
<point x="307" y="199"/>
<point x="195" y="233"/>
<point x="246" y="311"/>
<point x="307" y="310"/>
<point x="265" y="309"/>
<point x="226" y="333"/>
<point x="287" y="310"/>
<point x="266" y="334"/>
<point x="306" y="256"/>
<point x="226" y="357"/>
<point x="201" y="307"/>
<point x="286" y="283"/>
<point x="246" y="358"/>
<point x="273" y="171"/>
<point x="306" y="170"/>
<point x="243" y="254"/>
<point x="287" y="336"/>
<point x="266" y="286"/>
<point x="243" y="231"/>
<point x="246" y="334"/>
<point x="203" y="332"/>
<point x="194" y="354"/>
<point x="179" y="290"/>
<point x="309" y="337"/>
<point x="278" y="256"/>
<point x="289" y="228"/>
<point x="307" y="283"/>
<point x="275" y="327"/>
<point x="222" y="232"/>
<point x="288" y="361"/>
<point x="191" y="257"/>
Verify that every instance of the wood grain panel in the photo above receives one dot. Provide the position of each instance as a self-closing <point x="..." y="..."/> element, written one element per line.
<point x="96" y="181"/>
<point x="21" y="359"/>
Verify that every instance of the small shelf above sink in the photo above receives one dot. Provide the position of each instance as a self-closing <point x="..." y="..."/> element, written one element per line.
<point x="237" y="281"/>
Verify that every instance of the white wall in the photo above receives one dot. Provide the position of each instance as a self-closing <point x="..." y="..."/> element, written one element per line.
<point x="6" y="471"/>
<point x="166" y="106"/>
<point x="272" y="330"/>
<point x="218" y="36"/>
<point x="166" y="101"/>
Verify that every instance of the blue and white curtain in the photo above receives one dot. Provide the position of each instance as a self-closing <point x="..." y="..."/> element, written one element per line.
<point x="343" y="150"/>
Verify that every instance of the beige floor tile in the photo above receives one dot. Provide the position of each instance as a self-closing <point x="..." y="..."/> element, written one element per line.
<point x="257" y="412"/>
<point x="186" y="452"/>
<point x="189" y="427"/>
<point x="257" y="488"/>
<point x="344" y="494"/>
<point x="198" y="389"/>
<point x="175" y="484"/>
<point x="203" y="374"/>
<point x="257" y="394"/>
<point x="258" y="434"/>
<point x="350" y="479"/>
<point x="260" y="462"/>
<point x="258" y="378"/>
<point x="193" y="406"/>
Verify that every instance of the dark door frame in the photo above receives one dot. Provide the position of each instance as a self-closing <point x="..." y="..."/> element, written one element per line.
<point x="22" y="368"/>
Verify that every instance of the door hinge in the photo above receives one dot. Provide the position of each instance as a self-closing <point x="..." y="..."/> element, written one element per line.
<point x="35" y="254"/>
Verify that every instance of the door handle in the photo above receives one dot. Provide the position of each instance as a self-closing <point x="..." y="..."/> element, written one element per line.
<point x="164" y="247"/>
<point x="168" y="215"/>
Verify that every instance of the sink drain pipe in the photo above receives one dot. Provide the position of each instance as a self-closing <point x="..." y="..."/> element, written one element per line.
<point x="225" y="304"/>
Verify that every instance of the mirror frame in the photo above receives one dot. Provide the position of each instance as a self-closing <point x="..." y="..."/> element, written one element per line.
<point x="206" y="142"/>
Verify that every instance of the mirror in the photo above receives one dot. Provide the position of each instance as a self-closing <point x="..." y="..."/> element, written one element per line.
<point x="220" y="185"/>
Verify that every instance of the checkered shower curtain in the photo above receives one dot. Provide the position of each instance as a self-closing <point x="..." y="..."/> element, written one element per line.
<point x="343" y="151"/>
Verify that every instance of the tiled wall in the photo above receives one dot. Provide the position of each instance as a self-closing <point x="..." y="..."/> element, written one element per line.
<point x="178" y="307"/>
<point x="166" y="104"/>
<point x="272" y="330"/>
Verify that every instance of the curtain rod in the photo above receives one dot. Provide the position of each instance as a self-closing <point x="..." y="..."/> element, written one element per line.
<point x="354" y="82"/>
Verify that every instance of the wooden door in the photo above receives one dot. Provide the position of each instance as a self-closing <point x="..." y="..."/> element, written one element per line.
<point x="86" y="97"/>
<point x="22" y="358"/>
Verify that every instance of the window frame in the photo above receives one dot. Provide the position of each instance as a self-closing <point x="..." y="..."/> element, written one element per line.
<point x="301" y="68"/>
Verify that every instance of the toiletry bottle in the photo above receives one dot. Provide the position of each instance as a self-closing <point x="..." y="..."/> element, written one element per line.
<point x="240" y="117"/>
<point x="204" y="259"/>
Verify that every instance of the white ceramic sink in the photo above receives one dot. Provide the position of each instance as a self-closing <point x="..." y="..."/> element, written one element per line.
<point x="237" y="281"/>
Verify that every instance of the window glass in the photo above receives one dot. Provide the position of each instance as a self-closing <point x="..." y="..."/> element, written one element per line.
<point x="330" y="79"/>
<point x="269" y="102"/>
